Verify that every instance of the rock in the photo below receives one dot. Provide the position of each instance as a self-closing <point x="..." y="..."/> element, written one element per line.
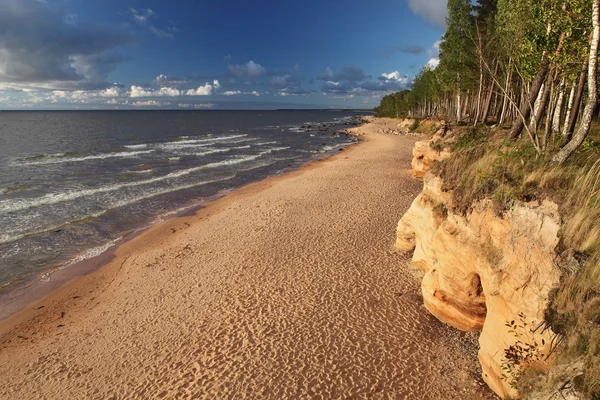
<point x="482" y="270"/>
<point x="424" y="157"/>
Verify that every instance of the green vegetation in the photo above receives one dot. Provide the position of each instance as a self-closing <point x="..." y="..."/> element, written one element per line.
<point x="517" y="80"/>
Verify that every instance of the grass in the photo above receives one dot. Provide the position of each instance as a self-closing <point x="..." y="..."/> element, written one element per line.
<point x="485" y="165"/>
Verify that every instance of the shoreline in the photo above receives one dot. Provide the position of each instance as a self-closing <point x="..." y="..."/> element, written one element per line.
<point x="37" y="287"/>
<point x="284" y="288"/>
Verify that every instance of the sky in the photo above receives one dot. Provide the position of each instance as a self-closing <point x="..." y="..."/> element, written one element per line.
<point x="213" y="54"/>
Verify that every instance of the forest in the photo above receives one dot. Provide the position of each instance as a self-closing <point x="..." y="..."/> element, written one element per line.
<point x="530" y="64"/>
<point x="517" y="85"/>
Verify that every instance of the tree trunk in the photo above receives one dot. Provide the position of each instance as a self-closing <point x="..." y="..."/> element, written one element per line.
<point x="549" y="115"/>
<point x="488" y="101"/>
<point x="558" y="108"/>
<point x="528" y="104"/>
<point x="569" y="109"/>
<point x="544" y="101"/>
<point x="577" y="104"/>
<point x="506" y="93"/>
<point x="479" y="94"/>
<point x="586" y="120"/>
<point x="526" y="108"/>
<point x="533" y="124"/>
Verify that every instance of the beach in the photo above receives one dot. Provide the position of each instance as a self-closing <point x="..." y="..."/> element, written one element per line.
<point x="286" y="288"/>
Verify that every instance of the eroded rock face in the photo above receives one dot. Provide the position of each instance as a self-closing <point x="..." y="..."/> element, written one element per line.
<point x="424" y="157"/>
<point x="483" y="271"/>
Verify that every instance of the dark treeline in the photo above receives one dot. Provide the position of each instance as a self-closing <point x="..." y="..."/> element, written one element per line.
<point x="528" y="63"/>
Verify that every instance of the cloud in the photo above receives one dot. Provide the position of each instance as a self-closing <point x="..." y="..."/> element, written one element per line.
<point x="248" y="70"/>
<point x="143" y="17"/>
<point x="196" y="106"/>
<point x="240" y="93"/>
<point x="285" y="81"/>
<point x="205" y="90"/>
<point x="433" y="63"/>
<point x="434" y="11"/>
<point x="149" y="103"/>
<point x="410" y="49"/>
<point x="294" y="92"/>
<point x="84" y="96"/>
<point x="39" y="49"/>
<point x="386" y="82"/>
<point x="351" y="74"/>
<point x="393" y="81"/>
<point x="139" y="91"/>
<point x="165" y="81"/>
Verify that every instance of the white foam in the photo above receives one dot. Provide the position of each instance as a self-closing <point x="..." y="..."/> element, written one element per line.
<point x="136" y="146"/>
<point x="265" y="143"/>
<point x="93" y="252"/>
<point x="85" y="158"/>
<point x="12" y="237"/>
<point x="8" y="206"/>
<point x="148" y="195"/>
<point x="210" y="139"/>
<point x="181" y="145"/>
<point x="212" y="151"/>
<point x="241" y="147"/>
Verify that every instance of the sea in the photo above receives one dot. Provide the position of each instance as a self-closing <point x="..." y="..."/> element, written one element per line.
<point x="73" y="184"/>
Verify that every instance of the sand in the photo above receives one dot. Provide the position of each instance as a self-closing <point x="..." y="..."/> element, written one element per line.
<point x="285" y="289"/>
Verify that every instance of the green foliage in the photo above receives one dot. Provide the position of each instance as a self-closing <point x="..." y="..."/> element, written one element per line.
<point x="414" y="126"/>
<point x="526" y="350"/>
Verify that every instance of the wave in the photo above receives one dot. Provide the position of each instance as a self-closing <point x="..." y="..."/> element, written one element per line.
<point x="136" y="146"/>
<point x="58" y="160"/>
<point x="86" y="255"/>
<point x="148" y="195"/>
<point x="277" y="149"/>
<point x="206" y="153"/>
<point x="13" y="237"/>
<point x="7" y="238"/>
<point x="265" y="143"/>
<point x="54" y="198"/>
<point x="209" y="139"/>
<point x="179" y="145"/>
<point x="241" y="147"/>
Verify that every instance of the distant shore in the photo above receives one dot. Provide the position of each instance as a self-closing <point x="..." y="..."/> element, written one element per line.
<point x="285" y="288"/>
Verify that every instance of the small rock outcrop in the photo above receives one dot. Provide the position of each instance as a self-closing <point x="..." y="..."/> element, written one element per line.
<point x="424" y="156"/>
<point x="483" y="271"/>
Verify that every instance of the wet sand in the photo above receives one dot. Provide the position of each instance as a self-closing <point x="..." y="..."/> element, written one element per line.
<point x="285" y="289"/>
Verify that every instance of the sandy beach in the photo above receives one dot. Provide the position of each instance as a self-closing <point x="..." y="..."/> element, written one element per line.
<point x="288" y="288"/>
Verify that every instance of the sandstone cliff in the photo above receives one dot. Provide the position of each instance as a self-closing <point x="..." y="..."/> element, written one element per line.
<point x="483" y="271"/>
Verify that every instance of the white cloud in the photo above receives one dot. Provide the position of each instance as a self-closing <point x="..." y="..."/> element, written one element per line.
<point x="434" y="11"/>
<point x="143" y="15"/>
<point x="392" y="76"/>
<point x="148" y="103"/>
<point x="83" y="96"/>
<point x="205" y="90"/>
<point x="196" y="106"/>
<point x="139" y="91"/>
<point x="238" y="93"/>
<point x="433" y="63"/>
<point x="248" y="70"/>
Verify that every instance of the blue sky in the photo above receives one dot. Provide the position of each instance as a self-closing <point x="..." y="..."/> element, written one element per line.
<point x="210" y="54"/>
